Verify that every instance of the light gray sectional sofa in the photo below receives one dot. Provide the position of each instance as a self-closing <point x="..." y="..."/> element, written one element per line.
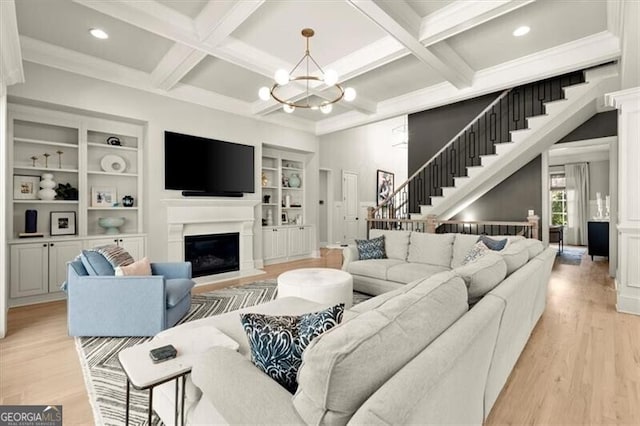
<point x="416" y="353"/>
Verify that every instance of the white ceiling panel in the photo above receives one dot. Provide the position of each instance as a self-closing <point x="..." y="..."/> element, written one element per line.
<point x="190" y="8"/>
<point x="67" y="24"/>
<point x="552" y="22"/>
<point x="394" y="79"/>
<point x="426" y="7"/>
<point x="339" y="29"/>
<point x="227" y="79"/>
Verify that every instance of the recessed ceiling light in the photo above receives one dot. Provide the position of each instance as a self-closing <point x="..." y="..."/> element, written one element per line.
<point x="520" y="31"/>
<point x="98" y="33"/>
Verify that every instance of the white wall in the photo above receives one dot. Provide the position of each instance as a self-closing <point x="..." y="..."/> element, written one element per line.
<point x="364" y="150"/>
<point x="4" y="278"/>
<point x="160" y="113"/>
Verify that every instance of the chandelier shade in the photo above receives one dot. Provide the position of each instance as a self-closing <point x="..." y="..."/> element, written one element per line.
<point x="322" y="84"/>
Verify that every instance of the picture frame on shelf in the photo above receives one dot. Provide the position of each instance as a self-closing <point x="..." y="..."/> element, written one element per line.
<point x="284" y="218"/>
<point x="25" y="187"/>
<point x="63" y="223"/>
<point x="103" y="196"/>
<point x="384" y="186"/>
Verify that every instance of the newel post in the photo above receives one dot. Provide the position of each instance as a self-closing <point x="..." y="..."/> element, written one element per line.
<point x="432" y="223"/>
<point x="534" y="222"/>
<point x="369" y="219"/>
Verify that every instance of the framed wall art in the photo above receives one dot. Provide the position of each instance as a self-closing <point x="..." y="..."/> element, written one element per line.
<point x="25" y="187"/>
<point x="63" y="223"/>
<point x="384" y="186"/>
<point x="103" y="196"/>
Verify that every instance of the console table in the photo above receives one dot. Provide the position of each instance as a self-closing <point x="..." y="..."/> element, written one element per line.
<point x="598" y="236"/>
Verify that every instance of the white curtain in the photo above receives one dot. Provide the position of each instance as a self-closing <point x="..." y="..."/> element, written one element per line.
<point x="577" y="176"/>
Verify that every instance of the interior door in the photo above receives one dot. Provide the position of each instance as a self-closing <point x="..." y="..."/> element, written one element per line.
<point x="350" y="206"/>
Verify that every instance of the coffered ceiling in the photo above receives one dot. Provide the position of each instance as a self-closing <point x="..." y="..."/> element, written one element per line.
<point x="401" y="56"/>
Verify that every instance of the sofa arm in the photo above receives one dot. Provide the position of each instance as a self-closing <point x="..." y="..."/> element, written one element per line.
<point x="349" y="254"/>
<point x="171" y="270"/>
<point x="240" y="392"/>
<point x="116" y="306"/>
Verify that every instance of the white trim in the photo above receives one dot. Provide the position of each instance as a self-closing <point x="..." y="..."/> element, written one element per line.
<point x="4" y="186"/>
<point x="545" y="215"/>
<point x="10" y="53"/>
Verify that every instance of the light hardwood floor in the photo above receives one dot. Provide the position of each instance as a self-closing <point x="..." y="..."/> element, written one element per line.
<point x="581" y="365"/>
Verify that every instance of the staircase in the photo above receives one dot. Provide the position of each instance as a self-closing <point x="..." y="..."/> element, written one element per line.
<point x="515" y="128"/>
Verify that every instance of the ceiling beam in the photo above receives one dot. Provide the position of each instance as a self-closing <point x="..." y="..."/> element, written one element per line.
<point x="463" y="15"/>
<point x="402" y="23"/>
<point x="212" y="29"/>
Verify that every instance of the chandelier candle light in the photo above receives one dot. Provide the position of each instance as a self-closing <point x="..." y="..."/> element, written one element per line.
<point x="329" y="78"/>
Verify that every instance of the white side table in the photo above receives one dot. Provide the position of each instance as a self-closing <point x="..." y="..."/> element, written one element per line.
<point x="144" y="374"/>
<point x="322" y="285"/>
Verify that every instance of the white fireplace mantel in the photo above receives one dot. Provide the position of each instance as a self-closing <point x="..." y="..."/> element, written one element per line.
<point x="212" y="216"/>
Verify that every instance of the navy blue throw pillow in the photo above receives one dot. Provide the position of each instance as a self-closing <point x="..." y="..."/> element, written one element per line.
<point x="495" y="245"/>
<point x="277" y="342"/>
<point x="371" y="249"/>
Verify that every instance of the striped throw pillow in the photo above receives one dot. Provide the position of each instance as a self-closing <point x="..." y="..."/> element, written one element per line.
<point x="115" y="255"/>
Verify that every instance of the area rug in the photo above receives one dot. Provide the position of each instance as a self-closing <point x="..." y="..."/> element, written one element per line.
<point x="572" y="256"/>
<point x="106" y="381"/>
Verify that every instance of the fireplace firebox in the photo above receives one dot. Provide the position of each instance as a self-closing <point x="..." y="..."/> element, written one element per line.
<point x="212" y="254"/>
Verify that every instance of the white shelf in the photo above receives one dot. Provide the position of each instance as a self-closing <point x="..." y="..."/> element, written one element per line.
<point x="112" y="173"/>
<point x="288" y="188"/>
<point x="43" y="142"/>
<point x="291" y="208"/>
<point x="269" y="187"/>
<point x="292" y="168"/>
<point x="45" y="201"/>
<point x="112" y="208"/>
<point x="273" y="169"/>
<point x="45" y="169"/>
<point x="270" y="204"/>
<point x="114" y="147"/>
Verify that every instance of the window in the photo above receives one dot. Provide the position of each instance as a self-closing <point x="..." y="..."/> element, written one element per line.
<point x="558" y="199"/>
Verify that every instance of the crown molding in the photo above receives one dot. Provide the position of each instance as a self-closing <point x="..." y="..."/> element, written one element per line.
<point x="11" y="71"/>
<point x="578" y="54"/>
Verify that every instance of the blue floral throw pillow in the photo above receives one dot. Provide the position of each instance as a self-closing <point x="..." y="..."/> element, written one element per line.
<point x="495" y="245"/>
<point x="371" y="249"/>
<point x="277" y="342"/>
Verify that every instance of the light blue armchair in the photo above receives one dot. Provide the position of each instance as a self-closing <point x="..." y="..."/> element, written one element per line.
<point x="127" y="305"/>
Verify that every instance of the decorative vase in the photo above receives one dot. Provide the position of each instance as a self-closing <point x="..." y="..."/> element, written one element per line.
<point x="47" y="184"/>
<point x="111" y="224"/>
<point x="127" y="201"/>
<point x="265" y="180"/>
<point x="269" y="218"/>
<point x="294" y="181"/>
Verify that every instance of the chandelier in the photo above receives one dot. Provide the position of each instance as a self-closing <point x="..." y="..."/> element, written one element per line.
<point x="333" y="93"/>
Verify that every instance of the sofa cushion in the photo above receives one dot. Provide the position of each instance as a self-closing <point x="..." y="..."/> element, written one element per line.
<point x="396" y="243"/>
<point x="493" y="244"/>
<point x="482" y="275"/>
<point x="374" y="268"/>
<point x="434" y="249"/>
<point x="408" y="272"/>
<point x="534" y="247"/>
<point x="371" y="249"/>
<point x="278" y="342"/>
<point x="344" y="367"/>
<point x="515" y="255"/>
<point x="177" y="289"/>
<point x="461" y="246"/>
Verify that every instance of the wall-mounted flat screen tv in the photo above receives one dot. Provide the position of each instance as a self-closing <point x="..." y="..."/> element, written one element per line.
<point x="207" y="167"/>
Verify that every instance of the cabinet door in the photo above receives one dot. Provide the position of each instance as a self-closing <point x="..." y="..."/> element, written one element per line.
<point x="134" y="246"/>
<point x="29" y="269"/>
<point x="268" y="237"/>
<point x="281" y="243"/>
<point x="59" y="254"/>
<point x="309" y="239"/>
<point x="99" y="242"/>
<point x="296" y="241"/>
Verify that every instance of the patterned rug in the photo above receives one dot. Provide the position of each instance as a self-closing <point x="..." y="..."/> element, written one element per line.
<point x="106" y="381"/>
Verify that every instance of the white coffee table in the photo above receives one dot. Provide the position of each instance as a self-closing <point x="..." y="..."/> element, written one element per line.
<point x="322" y="285"/>
<point x="144" y="374"/>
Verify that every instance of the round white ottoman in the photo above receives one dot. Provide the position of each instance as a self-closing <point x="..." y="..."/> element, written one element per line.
<point x="322" y="285"/>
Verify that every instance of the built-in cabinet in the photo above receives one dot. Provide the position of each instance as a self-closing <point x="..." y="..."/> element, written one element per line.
<point x="101" y="159"/>
<point x="283" y="243"/>
<point x="286" y="235"/>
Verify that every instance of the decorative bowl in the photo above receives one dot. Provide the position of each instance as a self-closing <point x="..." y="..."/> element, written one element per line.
<point x="111" y="224"/>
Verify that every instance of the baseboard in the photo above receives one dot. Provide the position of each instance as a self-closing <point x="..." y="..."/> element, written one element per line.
<point x="628" y="305"/>
<point x="41" y="298"/>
